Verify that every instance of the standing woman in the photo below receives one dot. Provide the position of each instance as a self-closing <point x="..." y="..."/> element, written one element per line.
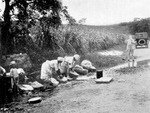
<point x="130" y="50"/>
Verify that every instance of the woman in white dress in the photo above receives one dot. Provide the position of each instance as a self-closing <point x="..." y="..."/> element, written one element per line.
<point x="50" y="71"/>
<point x="130" y="50"/>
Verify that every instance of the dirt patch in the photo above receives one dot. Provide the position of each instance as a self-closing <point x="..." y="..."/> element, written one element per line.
<point x="128" y="93"/>
<point x="132" y="70"/>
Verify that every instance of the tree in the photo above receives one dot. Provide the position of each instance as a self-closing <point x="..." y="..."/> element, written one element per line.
<point x="21" y="13"/>
<point x="69" y="18"/>
<point x="142" y="25"/>
<point x="82" y="21"/>
<point x="136" y="19"/>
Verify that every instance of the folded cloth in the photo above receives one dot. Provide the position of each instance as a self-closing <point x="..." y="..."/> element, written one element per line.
<point x="54" y="81"/>
<point x="73" y="74"/>
<point x="92" y="69"/>
<point x="104" y="80"/>
<point x="64" y="79"/>
<point x="26" y="87"/>
<point x="86" y="64"/>
<point x="83" y="78"/>
<point x="80" y="70"/>
<point x="36" y="84"/>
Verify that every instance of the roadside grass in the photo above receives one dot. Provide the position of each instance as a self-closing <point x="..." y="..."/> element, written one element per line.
<point x="86" y="41"/>
<point x="106" y="61"/>
<point x="93" y="39"/>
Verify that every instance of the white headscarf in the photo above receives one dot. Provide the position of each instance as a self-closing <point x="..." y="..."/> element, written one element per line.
<point x="60" y="59"/>
<point x="77" y="57"/>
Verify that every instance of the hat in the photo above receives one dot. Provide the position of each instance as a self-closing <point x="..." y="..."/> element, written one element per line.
<point x="60" y="59"/>
<point x="76" y="56"/>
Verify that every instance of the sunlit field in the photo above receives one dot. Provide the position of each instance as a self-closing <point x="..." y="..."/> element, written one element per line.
<point x="89" y="40"/>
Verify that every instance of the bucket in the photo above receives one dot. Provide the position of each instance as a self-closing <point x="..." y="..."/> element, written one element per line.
<point x="99" y="74"/>
<point x="6" y="96"/>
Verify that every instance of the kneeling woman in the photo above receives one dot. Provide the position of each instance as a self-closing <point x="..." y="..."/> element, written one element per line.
<point x="50" y="71"/>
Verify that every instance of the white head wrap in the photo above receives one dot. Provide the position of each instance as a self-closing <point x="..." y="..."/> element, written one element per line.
<point x="77" y="57"/>
<point x="60" y="59"/>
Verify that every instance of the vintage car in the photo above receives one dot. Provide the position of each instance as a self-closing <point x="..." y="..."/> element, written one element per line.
<point x="141" y="40"/>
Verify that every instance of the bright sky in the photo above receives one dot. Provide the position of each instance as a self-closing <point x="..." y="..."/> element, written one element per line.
<point x="104" y="12"/>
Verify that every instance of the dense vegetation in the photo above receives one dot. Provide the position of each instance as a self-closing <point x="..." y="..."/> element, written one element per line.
<point x="142" y="25"/>
<point x="38" y="31"/>
<point x="138" y="25"/>
<point x="19" y="16"/>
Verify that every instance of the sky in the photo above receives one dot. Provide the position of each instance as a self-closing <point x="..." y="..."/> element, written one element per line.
<point x="105" y="12"/>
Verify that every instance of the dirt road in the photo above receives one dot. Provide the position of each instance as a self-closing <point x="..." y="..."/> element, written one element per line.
<point x="129" y="92"/>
